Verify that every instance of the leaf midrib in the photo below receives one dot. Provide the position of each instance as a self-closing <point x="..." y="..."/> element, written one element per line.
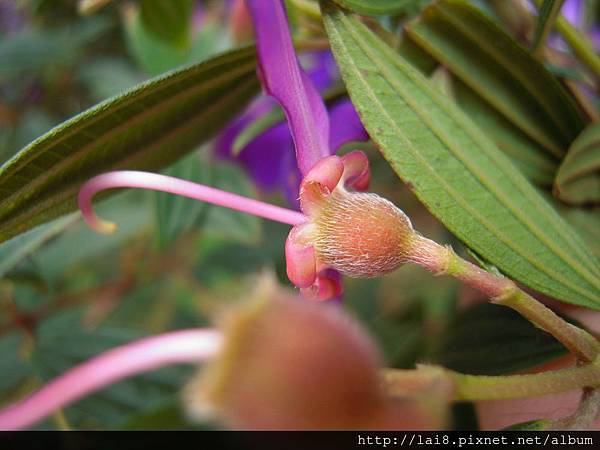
<point x="474" y="134"/>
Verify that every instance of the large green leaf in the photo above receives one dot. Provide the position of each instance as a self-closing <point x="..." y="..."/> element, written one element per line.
<point x="16" y="250"/>
<point x="176" y="215"/>
<point x="456" y="171"/>
<point x="578" y="179"/>
<point x="500" y="71"/>
<point x="148" y="127"/>
<point x="530" y="157"/>
<point x="375" y="7"/>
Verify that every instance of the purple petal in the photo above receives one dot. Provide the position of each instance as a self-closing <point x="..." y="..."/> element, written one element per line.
<point x="291" y="184"/>
<point x="321" y="69"/>
<point x="267" y="158"/>
<point x="573" y="11"/>
<point x="595" y="37"/>
<point x="345" y="125"/>
<point x="284" y="80"/>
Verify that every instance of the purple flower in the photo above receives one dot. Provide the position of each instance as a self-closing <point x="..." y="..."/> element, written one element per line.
<point x="574" y="11"/>
<point x="311" y="129"/>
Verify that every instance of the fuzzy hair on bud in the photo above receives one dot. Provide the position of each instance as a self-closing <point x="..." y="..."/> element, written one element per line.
<point x="362" y="234"/>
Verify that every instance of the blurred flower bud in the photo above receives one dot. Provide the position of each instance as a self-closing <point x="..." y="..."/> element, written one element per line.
<point x="289" y="364"/>
<point x="240" y="23"/>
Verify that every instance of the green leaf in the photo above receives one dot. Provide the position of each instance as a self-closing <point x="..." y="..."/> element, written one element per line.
<point x="530" y="157"/>
<point x="31" y="51"/>
<point x="456" y="171"/>
<point x="225" y="223"/>
<point x="500" y="71"/>
<point x="64" y="343"/>
<point x="176" y="214"/>
<point x="17" y="249"/>
<point x="578" y="179"/>
<point x="506" y="342"/>
<point x="547" y="14"/>
<point x="585" y="221"/>
<point x="156" y="56"/>
<point x="170" y="21"/>
<point x="148" y="127"/>
<point x="375" y="7"/>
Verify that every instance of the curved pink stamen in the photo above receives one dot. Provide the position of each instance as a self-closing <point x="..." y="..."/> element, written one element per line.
<point x="164" y="183"/>
<point x="186" y="346"/>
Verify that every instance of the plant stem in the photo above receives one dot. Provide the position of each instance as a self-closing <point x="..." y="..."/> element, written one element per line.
<point x="186" y="346"/>
<point x="147" y="180"/>
<point x="580" y="44"/>
<point x="407" y="383"/>
<point x="503" y="291"/>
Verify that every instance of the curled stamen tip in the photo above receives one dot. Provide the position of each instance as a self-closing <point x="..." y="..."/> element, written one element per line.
<point x="101" y="226"/>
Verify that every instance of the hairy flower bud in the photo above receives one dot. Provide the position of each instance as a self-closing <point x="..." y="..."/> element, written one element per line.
<point x="358" y="234"/>
<point x="362" y="234"/>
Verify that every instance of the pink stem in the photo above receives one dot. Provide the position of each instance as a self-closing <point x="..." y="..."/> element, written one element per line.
<point x="185" y="346"/>
<point x="134" y="179"/>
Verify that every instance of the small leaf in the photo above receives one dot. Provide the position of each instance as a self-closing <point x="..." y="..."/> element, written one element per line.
<point x="176" y="214"/>
<point x="17" y="249"/>
<point x="500" y="71"/>
<point x="547" y="14"/>
<point x="506" y="342"/>
<point x="585" y="221"/>
<point x="146" y="128"/>
<point x="375" y="7"/>
<point x="578" y="179"/>
<point x="62" y="344"/>
<point x="255" y="128"/>
<point x="170" y="21"/>
<point x="456" y="171"/>
<point x="232" y="225"/>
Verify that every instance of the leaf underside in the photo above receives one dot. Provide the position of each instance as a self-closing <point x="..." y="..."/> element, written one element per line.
<point x="457" y="171"/>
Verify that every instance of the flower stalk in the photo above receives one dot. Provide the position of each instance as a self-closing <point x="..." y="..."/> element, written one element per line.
<point x="503" y="291"/>
<point x="407" y="383"/>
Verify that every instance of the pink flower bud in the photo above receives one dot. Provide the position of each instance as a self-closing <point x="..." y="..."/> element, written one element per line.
<point x="361" y="234"/>
<point x="358" y="234"/>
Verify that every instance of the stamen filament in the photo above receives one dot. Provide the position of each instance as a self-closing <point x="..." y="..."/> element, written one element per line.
<point x="185" y="346"/>
<point x="164" y="183"/>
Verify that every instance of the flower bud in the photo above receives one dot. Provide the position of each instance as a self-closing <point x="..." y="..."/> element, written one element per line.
<point x="358" y="234"/>
<point x="290" y="364"/>
<point x="361" y="234"/>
